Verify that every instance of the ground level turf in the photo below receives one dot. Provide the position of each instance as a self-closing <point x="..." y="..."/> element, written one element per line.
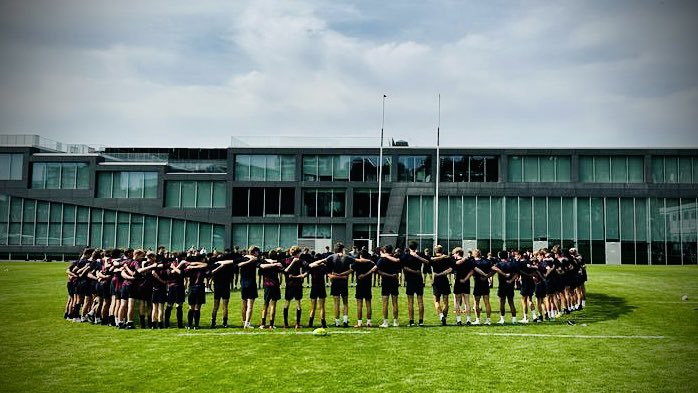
<point x="636" y="334"/>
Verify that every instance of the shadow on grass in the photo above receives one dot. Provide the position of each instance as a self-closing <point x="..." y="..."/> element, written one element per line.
<point x="602" y="307"/>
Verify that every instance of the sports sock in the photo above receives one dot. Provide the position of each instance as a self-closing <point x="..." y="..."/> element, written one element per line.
<point x="310" y="322"/>
<point x="298" y="317"/>
<point x="368" y="321"/>
<point x="336" y="321"/>
<point x="150" y="321"/>
<point x="225" y="321"/>
<point x="179" y="316"/>
<point x="190" y="318"/>
<point x="385" y="321"/>
<point x="168" y="314"/>
<point x="441" y="315"/>
<point x="458" y="318"/>
<point x="358" y="322"/>
<point x="264" y="321"/>
<point x="142" y="320"/>
<point x="271" y="323"/>
<point x="345" y="319"/>
<point x="285" y="316"/>
<point x="323" y="323"/>
<point x="197" y="316"/>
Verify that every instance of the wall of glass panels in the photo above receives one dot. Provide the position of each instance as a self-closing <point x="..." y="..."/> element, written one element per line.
<point x="415" y="169"/>
<point x="195" y="194"/>
<point x="269" y="167"/>
<point x="673" y="169"/>
<point x="344" y="168"/>
<point x="60" y="175"/>
<point x="656" y="230"/>
<point x="127" y="184"/>
<point x="549" y="169"/>
<point x="469" y="169"/>
<point x="365" y="203"/>
<point x="265" y="236"/>
<point x="39" y="223"/>
<point x="319" y="202"/>
<point x="611" y="169"/>
<point x="263" y="201"/>
<point x="11" y="166"/>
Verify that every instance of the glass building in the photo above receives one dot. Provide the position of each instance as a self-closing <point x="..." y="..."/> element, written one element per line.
<point x="632" y="206"/>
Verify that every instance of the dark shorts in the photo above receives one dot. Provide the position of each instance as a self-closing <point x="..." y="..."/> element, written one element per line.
<point x="197" y="294"/>
<point x="95" y="288"/>
<point x="441" y="288"/>
<point x="339" y="288"/>
<point x="482" y="288"/>
<point x="540" y="290"/>
<point x="248" y="292"/>
<point x="221" y="291"/>
<point x="415" y="288"/>
<point x="318" y="292"/>
<point x="84" y="288"/>
<point x="426" y="269"/>
<point x="145" y="293"/>
<point x="272" y="293"/>
<point x="72" y="290"/>
<point x="129" y="291"/>
<point x="293" y="292"/>
<point x="364" y="291"/>
<point x="103" y="289"/>
<point x="389" y="286"/>
<point x="175" y="294"/>
<point x="159" y="296"/>
<point x="460" y="288"/>
<point x="527" y="288"/>
<point x="550" y="287"/>
<point x="505" y="290"/>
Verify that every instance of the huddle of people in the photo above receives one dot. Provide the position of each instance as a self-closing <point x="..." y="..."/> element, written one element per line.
<point x="112" y="287"/>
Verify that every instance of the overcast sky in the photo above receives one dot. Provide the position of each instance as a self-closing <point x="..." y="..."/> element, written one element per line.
<point x="194" y="73"/>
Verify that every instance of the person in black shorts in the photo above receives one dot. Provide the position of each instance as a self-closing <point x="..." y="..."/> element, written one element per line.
<point x="580" y="278"/>
<point x="339" y="265"/>
<point x="159" y="292"/>
<point x="269" y="269"/>
<point x="221" y="275"/>
<point x="175" y="289"/>
<point x="463" y="270"/>
<point x="294" y="273"/>
<point x="507" y="273"/>
<point x="388" y="267"/>
<point x="413" y="265"/>
<point x="527" y="272"/>
<point x="363" y="268"/>
<point x="427" y="269"/>
<point x="197" y="272"/>
<point x="442" y="266"/>
<point x="540" y="290"/>
<point x="318" y="273"/>
<point x="482" y="270"/>
<point x="248" y="284"/>
<point x="551" y="284"/>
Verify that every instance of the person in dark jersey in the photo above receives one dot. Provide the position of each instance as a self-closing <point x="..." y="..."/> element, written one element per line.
<point x="363" y="269"/>
<point x="71" y="285"/>
<point x="551" y="285"/>
<point x="482" y="271"/>
<point x="175" y="289"/>
<point x="294" y="271"/>
<point x="221" y="275"/>
<point x="269" y="269"/>
<point x="427" y="270"/>
<point x="197" y="272"/>
<point x="339" y="264"/>
<point x="507" y="274"/>
<point x="248" y="284"/>
<point x="462" y="271"/>
<point x="115" y="287"/>
<point x="413" y="264"/>
<point x="144" y="279"/>
<point x="388" y="267"/>
<point x="442" y="266"/>
<point x="318" y="272"/>
<point x="527" y="272"/>
<point x="104" y="276"/>
<point x="159" y="291"/>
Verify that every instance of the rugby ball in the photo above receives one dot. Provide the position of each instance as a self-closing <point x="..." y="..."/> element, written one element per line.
<point x="684" y="297"/>
<point x="320" y="332"/>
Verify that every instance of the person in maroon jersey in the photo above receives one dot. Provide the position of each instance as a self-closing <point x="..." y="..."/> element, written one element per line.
<point x="159" y="291"/>
<point x="318" y="293"/>
<point x="115" y="287"/>
<point x="175" y="289"/>
<point x="196" y="270"/>
<point x="269" y="269"/>
<point x="72" y="290"/>
<point x="294" y="272"/>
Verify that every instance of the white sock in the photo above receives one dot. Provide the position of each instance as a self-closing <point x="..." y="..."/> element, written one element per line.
<point x="368" y="322"/>
<point x="513" y="319"/>
<point x="584" y="303"/>
<point x="385" y="321"/>
<point x="395" y="322"/>
<point x="458" y="318"/>
<point x="358" y="323"/>
<point x="441" y="315"/>
<point x="345" y="319"/>
<point x="467" y="318"/>
<point x="336" y="321"/>
<point x="524" y="316"/>
<point x="488" y="320"/>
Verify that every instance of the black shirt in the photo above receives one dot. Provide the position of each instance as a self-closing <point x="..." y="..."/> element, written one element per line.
<point x="415" y="264"/>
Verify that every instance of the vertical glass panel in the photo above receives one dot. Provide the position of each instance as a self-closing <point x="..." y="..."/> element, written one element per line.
<point x="586" y="169"/>
<point x="83" y="176"/>
<point x="27" y="234"/>
<point x="414" y="213"/>
<point x="104" y="184"/>
<point x="547" y="168"/>
<point x="16" y="210"/>
<point x="188" y="197"/>
<point x="136" y="231"/>
<point x="689" y="237"/>
<point x="53" y="175"/>
<point x="525" y="218"/>
<point x="310" y="168"/>
<point x="219" y="237"/>
<point x="38" y="175"/>
<point x="564" y="169"/>
<point x="219" y="196"/>
<point x="554" y="218"/>
<point x="83" y="214"/>
<point x="257" y="167"/>
<point x="256" y="236"/>
<point x="242" y="167"/>
<point x="597" y="217"/>
<point x="68" y="234"/>
<point x="273" y="166"/>
<point x="288" y="198"/>
<point x="636" y="169"/>
<point x="627" y="219"/>
<point x="460" y="169"/>
<point x="150" y="185"/>
<point x="240" y="236"/>
<point x="41" y="212"/>
<point x="568" y="223"/>
<point x="530" y="171"/>
<point x="456" y="218"/>
<point x="477" y="169"/>
<point x="324" y="203"/>
<point x="271" y="201"/>
<point x="6" y="165"/>
<point x="341" y="165"/>
<point x="362" y="203"/>
<point x="583" y="219"/>
<point x="288" y="168"/>
<point x="324" y="168"/>
<point x="310" y="203"/>
<point x="641" y="219"/>
<point x="515" y="169"/>
<point x="271" y="235"/>
<point x="469" y="218"/>
<point x="612" y="227"/>
<point x="338" y="202"/>
<point x="69" y="213"/>
<point x="657" y="169"/>
<point x="540" y="219"/>
<point x="673" y="226"/>
<point x="122" y="230"/>
<point x="41" y="231"/>
<point x="17" y="164"/>
<point x="204" y="194"/>
<point x="427" y="215"/>
<point x="387" y="168"/>
<point x="164" y="233"/>
<point x="324" y="231"/>
<point x="491" y="169"/>
<point x="109" y="229"/>
<point x="443" y="218"/>
<point x="619" y="170"/>
<point x="483" y="218"/>
<point x="446" y="169"/>
<point x="29" y="210"/>
<point x="497" y="217"/>
<point x="371" y="168"/>
<point x="240" y="202"/>
<point x="205" y="234"/>
<point x="512" y="221"/>
<point x="288" y="235"/>
<point x="671" y="169"/>
<point x="422" y="168"/>
<point x="150" y="231"/>
<point x="177" y="235"/>
<point x="54" y="234"/>
<point x="602" y="169"/>
<point x="69" y="173"/>
<point x="191" y="234"/>
<point x="135" y="184"/>
<point x="120" y="185"/>
<point x="256" y="202"/>
<point x="685" y="170"/>
<point x="356" y="171"/>
<point x="172" y="193"/>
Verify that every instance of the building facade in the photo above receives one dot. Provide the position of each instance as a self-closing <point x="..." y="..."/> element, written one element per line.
<point x="635" y="206"/>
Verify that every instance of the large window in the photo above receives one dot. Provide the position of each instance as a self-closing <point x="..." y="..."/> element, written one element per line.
<point x="673" y="169"/>
<point x="60" y="175"/>
<point x="263" y="201"/>
<point x="270" y="167"/>
<point x="11" y="166"/>
<point x="611" y="169"/>
<point x="366" y="203"/>
<point x="324" y="203"/>
<point x="195" y="194"/>
<point x="534" y="169"/>
<point x="344" y="168"/>
<point x="469" y="169"/>
<point x="416" y="169"/>
<point x="265" y="236"/>
<point x="129" y="185"/>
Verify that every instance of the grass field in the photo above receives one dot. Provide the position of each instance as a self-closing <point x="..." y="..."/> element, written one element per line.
<point x="639" y="336"/>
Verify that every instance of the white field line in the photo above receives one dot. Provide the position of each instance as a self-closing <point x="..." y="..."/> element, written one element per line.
<point x="569" y="336"/>
<point x="268" y="333"/>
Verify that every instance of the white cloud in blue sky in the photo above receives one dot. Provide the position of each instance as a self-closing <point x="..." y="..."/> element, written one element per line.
<point x="510" y="73"/>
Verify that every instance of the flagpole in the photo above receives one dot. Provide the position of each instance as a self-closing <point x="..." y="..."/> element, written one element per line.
<point x="380" y="179"/>
<point x="438" y="174"/>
